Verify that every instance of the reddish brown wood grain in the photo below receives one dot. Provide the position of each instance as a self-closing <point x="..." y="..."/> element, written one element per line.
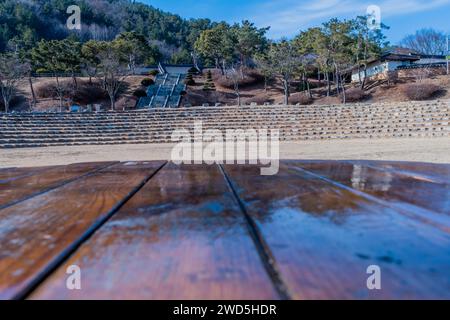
<point x="7" y="174"/>
<point x="182" y="236"/>
<point x="399" y="189"/>
<point x="38" y="232"/>
<point x="439" y="173"/>
<point x="16" y="190"/>
<point x="324" y="237"/>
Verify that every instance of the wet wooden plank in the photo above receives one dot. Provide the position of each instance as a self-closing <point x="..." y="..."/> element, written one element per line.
<point x="403" y="191"/>
<point x="181" y="237"/>
<point x="324" y="238"/>
<point x="8" y="174"/>
<point x="15" y="190"/>
<point x="37" y="233"/>
<point x="439" y="173"/>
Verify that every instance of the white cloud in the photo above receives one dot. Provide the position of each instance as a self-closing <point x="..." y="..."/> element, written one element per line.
<point x="287" y="17"/>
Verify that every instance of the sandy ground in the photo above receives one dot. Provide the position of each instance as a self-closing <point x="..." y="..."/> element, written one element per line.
<point x="435" y="150"/>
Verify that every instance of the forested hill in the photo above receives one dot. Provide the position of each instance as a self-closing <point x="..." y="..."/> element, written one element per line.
<point x="24" y="22"/>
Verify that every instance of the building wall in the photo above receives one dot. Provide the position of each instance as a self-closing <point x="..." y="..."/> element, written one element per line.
<point x="380" y="70"/>
<point x="430" y="61"/>
<point x="372" y="70"/>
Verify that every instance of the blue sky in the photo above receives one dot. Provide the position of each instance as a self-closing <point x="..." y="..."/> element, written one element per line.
<point x="287" y="17"/>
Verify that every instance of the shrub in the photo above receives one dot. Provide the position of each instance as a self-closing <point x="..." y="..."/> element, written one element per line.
<point x="355" y="95"/>
<point x="209" y="83"/>
<point x="300" y="98"/>
<point x="153" y="73"/>
<point x="124" y="103"/>
<point x="139" y="93"/>
<point x="193" y="70"/>
<point x="87" y="94"/>
<point x="251" y="77"/>
<point x="48" y="89"/>
<point x="147" y="82"/>
<point x="420" y="91"/>
<point x="258" y="99"/>
<point x="189" y="80"/>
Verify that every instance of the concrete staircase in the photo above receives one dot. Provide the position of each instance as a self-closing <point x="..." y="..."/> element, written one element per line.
<point x="165" y="93"/>
<point x="369" y="121"/>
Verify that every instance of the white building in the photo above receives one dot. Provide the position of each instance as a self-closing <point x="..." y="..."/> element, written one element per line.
<point x="388" y="62"/>
<point x="394" y="60"/>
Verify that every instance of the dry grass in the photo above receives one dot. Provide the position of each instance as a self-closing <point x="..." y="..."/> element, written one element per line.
<point x="86" y="95"/>
<point x="300" y="98"/>
<point x="355" y="95"/>
<point x="253" y="91"/>
<point x="420" y="91"/>
<point x="250" y="78"/>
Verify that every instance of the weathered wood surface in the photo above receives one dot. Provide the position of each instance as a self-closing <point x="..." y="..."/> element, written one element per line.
<point x="15" y="190"/>
<point x="324" y="237"/>
<point x="9" y="174"/>
<point x="160" y="231"/>
<point x="181" y="237"/>
<point x="37" y="233"/>
<point x="410" y="193"/>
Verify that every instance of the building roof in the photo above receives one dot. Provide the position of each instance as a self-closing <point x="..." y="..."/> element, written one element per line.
<point x="175" y="68"/>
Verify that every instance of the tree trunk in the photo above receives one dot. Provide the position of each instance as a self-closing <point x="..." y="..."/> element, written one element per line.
<point x="286" y="92"/>
<point x="34" y="101"/>
<point x="74" y="79"/>
<point x="363" y="83"/>
<point x="344" y="95"/>
<point x="327" y="75"/>
<point x="113" y="102"/>
<point x="308" y="87"/>
<point x="60" y="94"/>
<point x="359" y="75"/>
<point x="336" y="80"/>
<point x="6" y="102"/>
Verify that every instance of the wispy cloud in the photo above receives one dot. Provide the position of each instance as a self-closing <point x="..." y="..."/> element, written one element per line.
<point x="287" y="17"/>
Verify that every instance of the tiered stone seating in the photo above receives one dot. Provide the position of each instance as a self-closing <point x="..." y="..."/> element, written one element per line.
<point x="381" y="120"/>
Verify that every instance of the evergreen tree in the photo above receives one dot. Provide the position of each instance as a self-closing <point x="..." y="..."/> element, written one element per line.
<point x="209" y="83"/>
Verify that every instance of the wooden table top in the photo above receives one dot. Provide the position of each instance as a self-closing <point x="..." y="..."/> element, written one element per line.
<point x="154" y="230"/>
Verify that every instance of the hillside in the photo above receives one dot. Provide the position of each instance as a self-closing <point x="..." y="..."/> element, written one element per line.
<point x="256" y="93"/>
<point x="25" y="22"/>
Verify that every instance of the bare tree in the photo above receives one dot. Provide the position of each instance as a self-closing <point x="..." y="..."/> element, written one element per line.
<point x="112" y="73"/>
<point x="30" y="82"/>
<point x="234" y="73"/>
<point x="421" y="73"/>
<point x="60" y="90"/>
<point x="12" y="71"/>
<point x="426" y="41"/>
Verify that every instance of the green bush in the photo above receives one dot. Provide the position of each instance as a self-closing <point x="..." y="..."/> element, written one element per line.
<point x="139" y="93"/>
<point x="154" y="73"/>
<point x="189" y="80"/>
<point x="193" y="70"/>
<point x="209" y="83"/>
<point x="147" y="82"/>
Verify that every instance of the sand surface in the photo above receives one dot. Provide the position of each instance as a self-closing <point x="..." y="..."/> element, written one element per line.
<point x="435" y="150"/>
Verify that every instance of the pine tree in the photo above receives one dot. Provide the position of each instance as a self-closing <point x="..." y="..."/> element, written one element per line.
<point x="209" y="83"/>
<point x="190" y="77"/>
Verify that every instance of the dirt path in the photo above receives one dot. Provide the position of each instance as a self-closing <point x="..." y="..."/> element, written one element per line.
<point x="436" y="150"/>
